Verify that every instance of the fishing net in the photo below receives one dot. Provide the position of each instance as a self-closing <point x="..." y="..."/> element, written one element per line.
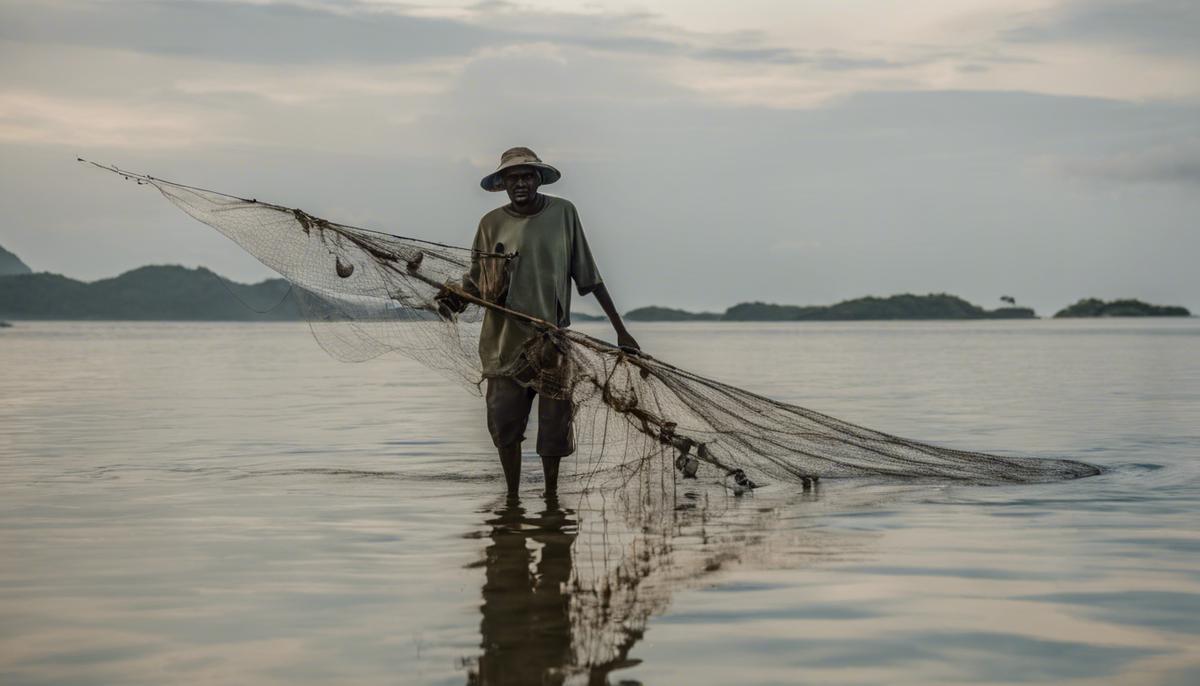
<point x="367" y="293"/>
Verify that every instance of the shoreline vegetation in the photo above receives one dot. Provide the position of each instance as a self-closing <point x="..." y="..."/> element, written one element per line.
<point x="176" y="293"/>
<point x="934" y="306"/>
<point x="905" y="306"/>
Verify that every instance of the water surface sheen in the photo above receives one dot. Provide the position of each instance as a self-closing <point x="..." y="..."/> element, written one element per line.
<point x="222" y="503"/>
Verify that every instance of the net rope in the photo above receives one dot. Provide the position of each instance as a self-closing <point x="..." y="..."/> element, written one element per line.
<point x="367" y="293"/>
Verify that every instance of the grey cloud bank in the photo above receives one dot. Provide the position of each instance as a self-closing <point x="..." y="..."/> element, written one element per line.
<point x="289" y="34"/>
<point x="1153" y="26"/>
<point x="1179" y="165"/>
<point x="274" y="33"/>
<point x="976" y="192"/>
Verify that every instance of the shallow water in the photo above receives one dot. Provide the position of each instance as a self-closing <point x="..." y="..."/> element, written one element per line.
<point x="218" y="503"/>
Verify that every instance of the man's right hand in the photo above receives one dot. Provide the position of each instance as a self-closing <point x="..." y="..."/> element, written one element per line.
<point x="627" y="343"/>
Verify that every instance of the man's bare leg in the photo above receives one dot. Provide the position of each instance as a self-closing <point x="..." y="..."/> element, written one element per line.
<point x="550" y="469"/>
<point x="510" y="460"/>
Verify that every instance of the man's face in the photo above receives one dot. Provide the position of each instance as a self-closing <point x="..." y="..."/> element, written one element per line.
<point x="522" y="184"/>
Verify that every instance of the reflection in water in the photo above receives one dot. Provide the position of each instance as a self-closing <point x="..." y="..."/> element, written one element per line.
<point x="526" y="616"/>
<point x="568" y="592"/>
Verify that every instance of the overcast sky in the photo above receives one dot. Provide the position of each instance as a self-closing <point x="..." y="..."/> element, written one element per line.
<point x="777" y="150"/>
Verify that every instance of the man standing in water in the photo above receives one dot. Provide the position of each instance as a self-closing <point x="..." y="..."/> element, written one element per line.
<point x="545" y="237"/>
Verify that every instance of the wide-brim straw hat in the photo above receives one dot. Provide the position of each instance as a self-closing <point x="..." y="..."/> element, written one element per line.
<point x="519" y="157"/>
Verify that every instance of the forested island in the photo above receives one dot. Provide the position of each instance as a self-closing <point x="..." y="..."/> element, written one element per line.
<point x="667" y="314"/>
<point x="896" y="307"/>
<point x="147" y="293"/>
<point x="1092" y="307"/>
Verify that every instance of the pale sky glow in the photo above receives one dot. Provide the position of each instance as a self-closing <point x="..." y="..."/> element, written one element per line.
<point x="1047" y="148"/>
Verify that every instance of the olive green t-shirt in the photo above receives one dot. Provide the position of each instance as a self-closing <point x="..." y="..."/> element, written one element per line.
<point x="551" y="251"/>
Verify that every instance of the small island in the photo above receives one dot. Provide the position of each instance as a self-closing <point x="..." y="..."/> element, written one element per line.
<point x="897" y="307"/>
<point x="1093" y="307"/>
<point x="668" y="314"/>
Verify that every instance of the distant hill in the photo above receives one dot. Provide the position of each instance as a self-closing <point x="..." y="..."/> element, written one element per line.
<point x="11" y="264"/>
<point x="147" y="293"/>
<point x="769" y="312"/>
<point x="907" y="306"/>
<point x="1092" y="307"/>
<point x="667" y="314"/>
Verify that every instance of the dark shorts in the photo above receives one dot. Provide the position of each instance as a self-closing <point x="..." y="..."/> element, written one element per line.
<point x="508" y="406"/>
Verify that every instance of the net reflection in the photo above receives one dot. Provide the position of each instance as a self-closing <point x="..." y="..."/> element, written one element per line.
<point x="568" y="591"/>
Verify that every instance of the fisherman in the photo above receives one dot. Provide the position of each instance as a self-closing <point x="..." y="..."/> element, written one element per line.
<point x="545" y="248"/>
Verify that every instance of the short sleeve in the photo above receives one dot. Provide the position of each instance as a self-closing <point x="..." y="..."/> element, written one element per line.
<point x="471" y="278"/>
<point x="583" y="266"/>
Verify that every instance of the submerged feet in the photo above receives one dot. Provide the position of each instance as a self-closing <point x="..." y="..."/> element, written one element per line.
<point x="550" y="471"/>
<point x="510" y="460"/>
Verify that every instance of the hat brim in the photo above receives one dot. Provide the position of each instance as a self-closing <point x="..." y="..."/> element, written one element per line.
<point x="495" y="181"/>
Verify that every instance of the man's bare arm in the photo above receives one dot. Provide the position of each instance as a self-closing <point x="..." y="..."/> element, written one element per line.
<point x="623" y="338"/>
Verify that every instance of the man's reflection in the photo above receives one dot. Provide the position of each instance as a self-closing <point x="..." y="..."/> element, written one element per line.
<point x="526" y="612"/>
<point x="564" y="601"/>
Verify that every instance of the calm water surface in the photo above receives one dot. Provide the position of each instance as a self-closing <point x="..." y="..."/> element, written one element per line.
<point x="219" y="503"/>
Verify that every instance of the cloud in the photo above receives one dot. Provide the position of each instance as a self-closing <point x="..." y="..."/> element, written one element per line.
<point x="27" y="117"/>
<point x="318" y="84"/>
<point x="1149" y="26"/>
<point x="826" y="60"/>
<point x="246" y="32"/>
<point x="1173" y="165"/>
<point x="283" y="33"/>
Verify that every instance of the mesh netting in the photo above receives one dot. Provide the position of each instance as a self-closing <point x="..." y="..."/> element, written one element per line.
<point x="367" y="293"/>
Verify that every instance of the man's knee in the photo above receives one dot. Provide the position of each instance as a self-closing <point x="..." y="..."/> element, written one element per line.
<point x="556" y="430"/>
<point x="508" y="405"/>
